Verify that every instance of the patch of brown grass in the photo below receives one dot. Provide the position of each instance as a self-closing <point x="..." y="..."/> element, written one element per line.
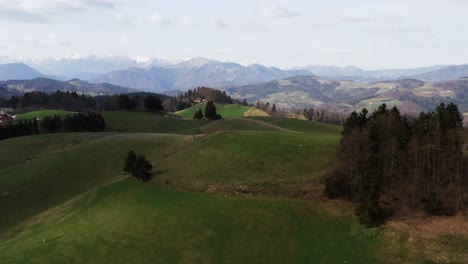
<point x="423" y="238"/>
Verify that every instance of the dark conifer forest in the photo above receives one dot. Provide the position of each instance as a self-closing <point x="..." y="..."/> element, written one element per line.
<point x="388" y="162"/>
<point x="80" y="122"/>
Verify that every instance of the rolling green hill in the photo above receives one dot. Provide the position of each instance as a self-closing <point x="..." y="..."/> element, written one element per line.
<point x="225" y="195"/>
<point x="123" y="121"/>
<point x="128" y="222"/>
<point x="236" y="124"/>
<point x="42" y="114"/>
<point x="300" y="125"/>
<point x="232" y="159"/>
<point x="49" y="178"/>
<point x="226" y="111"/>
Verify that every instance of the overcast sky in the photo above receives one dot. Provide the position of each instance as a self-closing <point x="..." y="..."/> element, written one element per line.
<point x="366" y="33"/>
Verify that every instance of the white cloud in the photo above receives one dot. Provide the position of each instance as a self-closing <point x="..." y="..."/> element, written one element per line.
<point x="277" y="11"/>
<point x="185" y="21"/>
<point x="34" y="11"/>
<point x="157" y="20"/>
<point x="219" y="23"/>
<point x="124" y="39"/>
<point x="368" y="19"/>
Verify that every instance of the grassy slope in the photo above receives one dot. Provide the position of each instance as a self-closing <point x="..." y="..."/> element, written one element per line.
<point x="256" y="112"/>
<point x="225" y="110"/>
<point x="129" y="222"/>
<point x="300" y="125"/>
<point x="236" y="124"/>
<point x="57" y="176"/>
<point x="122" y="121"/>
<point x="42" y="114"/>
<point x="24" y="149"/>
<point x="155" y="123"/>
<point x="133" y="223"/>
<point x="252" y="158"/>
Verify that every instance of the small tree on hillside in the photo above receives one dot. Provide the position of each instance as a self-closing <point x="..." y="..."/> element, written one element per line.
<point x="129" y="161"/>
<point x="142" y="169"/>
<point x="210" y="111"/>
<point x="198" y="114"/>
<point x="138" y="166"/>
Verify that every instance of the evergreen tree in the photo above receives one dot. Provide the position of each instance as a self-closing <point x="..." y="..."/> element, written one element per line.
<point x="210" y="111"/>
<point x="153" y="103"/>
<point x="141" y="169"/>
<point x="129" y="161"/>
<point x="198" y="114"/>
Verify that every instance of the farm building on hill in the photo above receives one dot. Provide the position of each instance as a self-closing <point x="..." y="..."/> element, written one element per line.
<point x="6" y="111"/>
<point x="6" y="115"/>
<point x="6" y="118"/>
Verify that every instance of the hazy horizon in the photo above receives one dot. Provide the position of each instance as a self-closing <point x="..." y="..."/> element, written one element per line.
<point x="367" y="34"/>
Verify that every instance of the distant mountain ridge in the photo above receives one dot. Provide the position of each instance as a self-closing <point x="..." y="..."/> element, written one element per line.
<point x="195" y="72"/>
<point x="18" y="87"/>
<point x="18" y="71"/>
<point x="90" y="66"/>
<point x="357" y="74"/>
<point x="155" y="75"/>
<point x="444" y="74"/>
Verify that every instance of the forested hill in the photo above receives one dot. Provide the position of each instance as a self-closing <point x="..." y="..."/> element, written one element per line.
<point x="410" y="95"/>
<point x="72" y="101"/>
<point x="19" y="87"/>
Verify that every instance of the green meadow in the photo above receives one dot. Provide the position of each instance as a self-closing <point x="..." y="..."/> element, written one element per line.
<point x="236" y="190"/>
<point x="42" y="114"/>
<point x="225" y="110"/>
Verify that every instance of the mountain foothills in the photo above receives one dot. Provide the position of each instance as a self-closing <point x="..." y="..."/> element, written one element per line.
<point x="13" y="87"/>
<point x="411" y="95"/>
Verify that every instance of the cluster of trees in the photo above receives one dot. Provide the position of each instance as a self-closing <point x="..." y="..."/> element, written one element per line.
<point x="59" y="100"/>
<point x="387" y="162"/>
<point x="72" y="101"/>
<point x="22" y="128"/>
<point x="323" y="116"/>
<point x="137" y="102"/>
<point x="197" y="95"/>
<point x="138" y="166"/>
<point x="271" y="109"/>
<point x="209" y="94"/>
<point x="210" y="112"/>
<point x="80" y="122"/>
